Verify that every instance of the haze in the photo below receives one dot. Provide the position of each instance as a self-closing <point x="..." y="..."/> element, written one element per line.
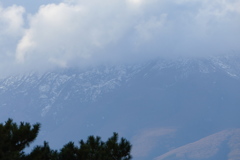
<point x="41" y="36"/>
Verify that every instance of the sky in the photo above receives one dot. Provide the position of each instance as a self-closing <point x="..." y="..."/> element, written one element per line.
<point x="49" y="34"/>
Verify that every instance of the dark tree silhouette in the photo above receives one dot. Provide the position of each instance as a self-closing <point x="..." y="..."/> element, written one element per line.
<point x="118" y="150"/>
<point x="95" y="149"/>
<point x="91" y="149"/>
<point x="42" y="153"/>
<point x="69" y="151"/>
<point x="15" y="138"/>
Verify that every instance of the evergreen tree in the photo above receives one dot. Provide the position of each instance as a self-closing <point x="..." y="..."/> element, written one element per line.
<point x="69" y="151"/>
<point x="91" y="150"/>
<point x="42" y="153"/>
<point x="95" y="149"/>
<point x="118" y="150"/>
<point x="15" y="138"/>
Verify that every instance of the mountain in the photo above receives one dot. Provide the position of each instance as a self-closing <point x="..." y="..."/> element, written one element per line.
<point x="221" y="145"/>
<point x="185" y="108"/>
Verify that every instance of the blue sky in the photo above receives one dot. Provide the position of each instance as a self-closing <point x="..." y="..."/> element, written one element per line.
<point x="47" y="34"/>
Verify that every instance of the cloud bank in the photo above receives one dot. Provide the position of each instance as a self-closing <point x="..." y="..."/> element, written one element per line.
<point x="77" y="33"/>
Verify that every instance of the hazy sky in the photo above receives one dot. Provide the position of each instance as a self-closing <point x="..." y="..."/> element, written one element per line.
<point x="45" y="34"/>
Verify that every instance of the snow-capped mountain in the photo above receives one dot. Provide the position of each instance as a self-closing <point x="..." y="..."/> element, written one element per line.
<point x="163" y="106"/>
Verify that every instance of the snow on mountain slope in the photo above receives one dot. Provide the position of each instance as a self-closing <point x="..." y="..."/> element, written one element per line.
<point x="190" y="98"/>
<point x="50" y="87"/>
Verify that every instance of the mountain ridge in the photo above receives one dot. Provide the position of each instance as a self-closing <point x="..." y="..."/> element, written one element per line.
<point x="195" y="97"/>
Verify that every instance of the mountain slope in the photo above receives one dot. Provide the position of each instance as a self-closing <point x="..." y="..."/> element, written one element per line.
<point x="222" y="145"/>
<point x="162" y="104"/>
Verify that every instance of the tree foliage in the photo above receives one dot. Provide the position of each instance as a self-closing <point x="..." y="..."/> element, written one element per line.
<point x="15" y="138"/>
<point x="42" y="153"/>
<point x="95" y="149"/>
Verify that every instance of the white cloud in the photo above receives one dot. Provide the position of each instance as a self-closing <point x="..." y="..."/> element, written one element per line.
<point x="11" y="20"/>
<point x="83" y="33"/>
<point x="73" y="32"/>
<point x="11" y="30"/>
<point x="147" y="29"/>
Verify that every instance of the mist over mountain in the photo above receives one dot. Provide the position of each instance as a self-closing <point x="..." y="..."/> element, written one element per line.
<point x="185" y="108"/>
<point x="49" y="34"/>
<point x="164" y="74"/>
